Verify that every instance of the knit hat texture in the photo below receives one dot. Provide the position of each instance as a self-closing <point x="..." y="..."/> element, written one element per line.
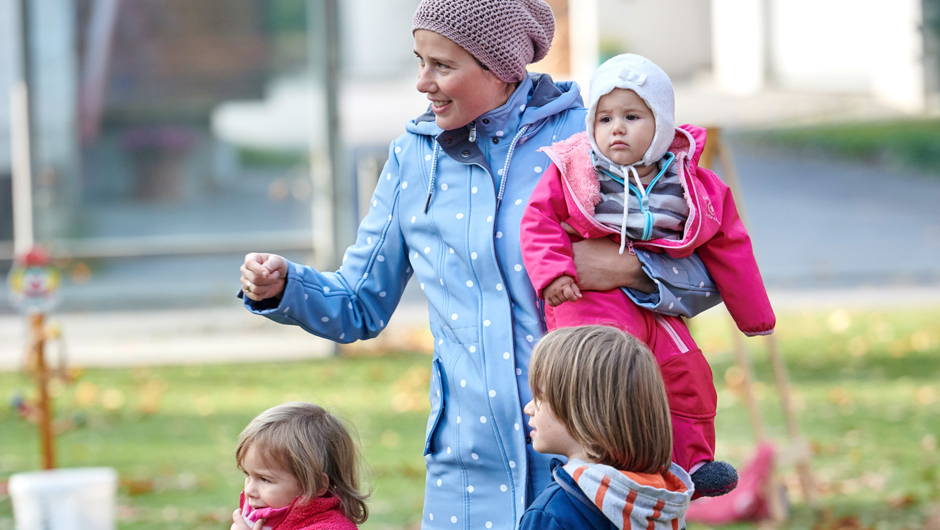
<point x="650" y="82"/>
<point x="504" y="35"/>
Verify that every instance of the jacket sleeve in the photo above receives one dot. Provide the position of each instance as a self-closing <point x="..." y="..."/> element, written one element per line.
<point x="729" y="257"/>
<point x="546" y="247"/>
<point x="683" y="285"/>
<point x="356" y="301"/>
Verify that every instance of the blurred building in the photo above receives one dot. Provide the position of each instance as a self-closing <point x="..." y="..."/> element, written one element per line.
<point x="880" y="48"/>
<point x="121" y="99"/>
<point x="176" y="127"/>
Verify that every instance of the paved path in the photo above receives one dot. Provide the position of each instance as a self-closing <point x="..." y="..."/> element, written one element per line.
<point x="832" y="224"/>
<point x="227" y="334"/>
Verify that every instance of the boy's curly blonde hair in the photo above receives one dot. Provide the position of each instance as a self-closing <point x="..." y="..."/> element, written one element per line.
<point x="605" y="386"/>
<point x="308" y="441"/>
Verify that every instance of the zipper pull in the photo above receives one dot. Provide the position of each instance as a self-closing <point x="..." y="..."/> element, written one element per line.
<point x="473" y="132"/>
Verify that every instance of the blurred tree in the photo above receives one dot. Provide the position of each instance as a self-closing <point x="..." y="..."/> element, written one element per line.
<point x="287" y="16"/>
<point x="931" y="13"/>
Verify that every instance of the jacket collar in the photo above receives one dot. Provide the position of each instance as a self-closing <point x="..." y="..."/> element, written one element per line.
<point x="567" y="483"/>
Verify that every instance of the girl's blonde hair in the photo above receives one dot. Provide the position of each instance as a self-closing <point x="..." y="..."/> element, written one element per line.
<point x="606" y="388"/>
<point x="308" y="441"/>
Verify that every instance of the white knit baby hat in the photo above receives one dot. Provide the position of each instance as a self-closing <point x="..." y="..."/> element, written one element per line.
<point x="650" y="82"/>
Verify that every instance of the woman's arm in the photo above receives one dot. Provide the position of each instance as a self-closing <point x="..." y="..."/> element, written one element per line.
<point x="356" y="301"/>
<point x="673" y="286"/>
<point x="601" y="267"/>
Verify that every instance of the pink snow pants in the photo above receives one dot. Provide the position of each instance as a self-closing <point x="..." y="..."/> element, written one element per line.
<point x="686" y="373"/>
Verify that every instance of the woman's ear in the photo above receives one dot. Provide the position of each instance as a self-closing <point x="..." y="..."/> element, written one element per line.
<point x="324" y="485"/>
<point x="493" y="78"/>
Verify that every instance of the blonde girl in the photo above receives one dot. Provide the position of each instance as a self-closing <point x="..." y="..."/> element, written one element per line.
<point x="301" y="470"/>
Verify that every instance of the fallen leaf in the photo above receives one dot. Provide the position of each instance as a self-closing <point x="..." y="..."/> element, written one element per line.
<point x="898" y="501"/>
<point x="137" y="486"/>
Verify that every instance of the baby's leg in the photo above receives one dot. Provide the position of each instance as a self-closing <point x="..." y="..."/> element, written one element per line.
<point x="688" y="378"/>
<point x="603" y="308"/>
<point x="690" y="388"/>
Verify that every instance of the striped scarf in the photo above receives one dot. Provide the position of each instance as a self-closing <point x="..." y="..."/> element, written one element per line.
<point x="667" y="206"/>
<point x="635" y="500"/>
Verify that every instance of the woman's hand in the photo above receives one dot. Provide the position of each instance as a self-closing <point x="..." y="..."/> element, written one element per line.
<point x="263" y="276"/>
<point x="238" y="522"/>
<point x="601" y="266"/>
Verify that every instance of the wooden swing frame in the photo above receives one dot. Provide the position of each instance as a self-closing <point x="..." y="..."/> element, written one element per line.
<point x="716" y="149"/>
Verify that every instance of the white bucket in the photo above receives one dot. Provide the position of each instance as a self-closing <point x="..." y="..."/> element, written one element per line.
<point x="65" y="499"/>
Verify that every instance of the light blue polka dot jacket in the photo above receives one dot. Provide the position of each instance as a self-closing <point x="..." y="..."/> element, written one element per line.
<point x="447" y="209"/>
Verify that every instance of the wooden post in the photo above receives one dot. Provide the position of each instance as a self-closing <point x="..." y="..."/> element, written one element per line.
<point x="803" y="468"/>
<point x="771" y="490"/>
<point x="558" y="61"/>
<point x="744" y="363"/>
<point x="37" y="343"/>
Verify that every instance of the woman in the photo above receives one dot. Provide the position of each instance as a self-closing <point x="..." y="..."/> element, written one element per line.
<point x="447" y="209"/>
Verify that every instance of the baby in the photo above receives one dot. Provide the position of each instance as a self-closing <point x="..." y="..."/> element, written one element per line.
<point x="634" y="177"/>
<point x="300" y="466"/>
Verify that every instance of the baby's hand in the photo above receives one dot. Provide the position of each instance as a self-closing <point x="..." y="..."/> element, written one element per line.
<point x="562" y="289"/>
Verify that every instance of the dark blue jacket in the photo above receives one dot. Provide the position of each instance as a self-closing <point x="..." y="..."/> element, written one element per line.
<point x="562" y="505"/>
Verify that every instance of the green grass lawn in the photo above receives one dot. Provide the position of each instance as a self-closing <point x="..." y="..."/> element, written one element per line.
<point x="911" y="143"/>
<point x="866" y="385"/>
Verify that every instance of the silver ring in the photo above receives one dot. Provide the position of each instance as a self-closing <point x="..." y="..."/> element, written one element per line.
<point x="248" y="287"/>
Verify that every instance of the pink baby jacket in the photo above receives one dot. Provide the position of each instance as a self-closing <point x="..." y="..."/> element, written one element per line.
<point x="569" y="190"/>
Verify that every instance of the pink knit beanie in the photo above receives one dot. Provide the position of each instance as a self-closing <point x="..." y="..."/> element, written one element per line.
<point x="504" y="35"/>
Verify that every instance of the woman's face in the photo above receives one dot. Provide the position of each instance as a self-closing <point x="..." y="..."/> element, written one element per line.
<point x="459" y="88"/>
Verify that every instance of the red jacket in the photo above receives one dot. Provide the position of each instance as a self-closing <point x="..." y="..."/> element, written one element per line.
<point x="569" y="190"/>
<point x="321" y="513"/>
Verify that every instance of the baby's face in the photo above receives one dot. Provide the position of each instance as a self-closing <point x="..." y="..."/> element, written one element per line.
<point x="268" y="485"/>
<point x="623" y="126"/>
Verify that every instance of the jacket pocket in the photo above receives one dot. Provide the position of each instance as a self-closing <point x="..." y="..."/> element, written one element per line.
<point x="436" y="395"/>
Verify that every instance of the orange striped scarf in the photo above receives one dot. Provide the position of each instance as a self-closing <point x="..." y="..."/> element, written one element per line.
<point x="635" y="500"/>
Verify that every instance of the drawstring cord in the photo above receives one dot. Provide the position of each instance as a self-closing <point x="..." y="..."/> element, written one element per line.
<point x="641" y="195"/>
<point x="644" y="206"/>
<point x="505" y="172"/>
<point x="427" y="201"/>
<point x="512" y="149"/>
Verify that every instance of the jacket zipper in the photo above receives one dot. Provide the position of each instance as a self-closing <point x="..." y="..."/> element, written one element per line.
<point x="671" y="331"/>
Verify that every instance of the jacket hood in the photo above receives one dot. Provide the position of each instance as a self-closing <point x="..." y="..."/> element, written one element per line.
<point x="650" y="82"/>
<point x="537" y="97"/>
<point x="633" y="500"/>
